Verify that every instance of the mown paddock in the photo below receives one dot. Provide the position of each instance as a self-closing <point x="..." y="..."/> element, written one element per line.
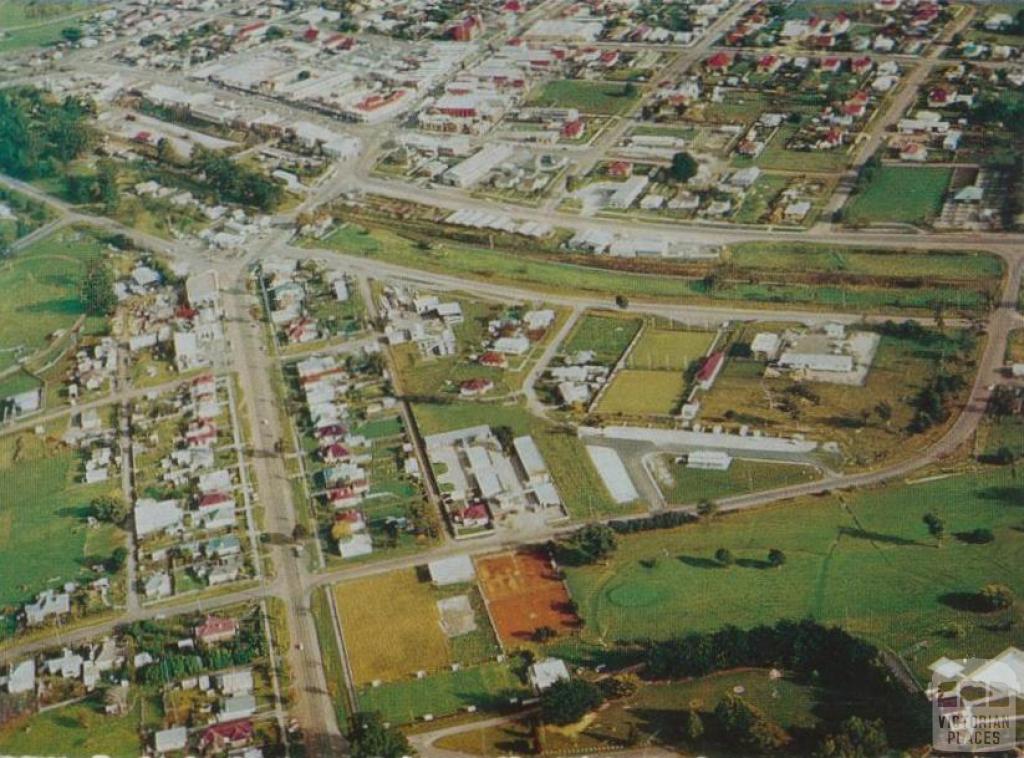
<point x="488" y="687"/>
<point x="39" y="291"/>
<point x="643" y="393"/>
<point x="607" y="335"/>
<point x="43" y="529"/>
<point x="669" y="349"/>
<point x="523" y="594"/>
<point x="601" y="98"/>
<point x="392" y="626"/>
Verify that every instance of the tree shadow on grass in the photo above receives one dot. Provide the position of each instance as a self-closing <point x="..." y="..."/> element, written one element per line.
<point x="969" y="602"/>
<point x="492" y="702"/>
<point x="977" y="537"/>
<point x="78" y="512"/>
<point x="701" y="563"/>
<point x="1005" y="495"/>
<point x="864" y="534"/>
<point x="753" y="563"/>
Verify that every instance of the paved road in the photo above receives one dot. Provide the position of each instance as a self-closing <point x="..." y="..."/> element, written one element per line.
<point x="312" y="705"/>
<point x="290" y="580"/>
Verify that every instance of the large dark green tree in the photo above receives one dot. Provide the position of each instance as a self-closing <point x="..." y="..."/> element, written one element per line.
<point x="568" y="700"/>
<point x="368" y="737"/>
<point x="684" y="167"/>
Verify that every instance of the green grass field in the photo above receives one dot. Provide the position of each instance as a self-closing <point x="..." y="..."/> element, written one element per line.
<point x="77" y="729"/>
<point x="634" y="392"/>
<point x="488" y="687"/>
<point x="669" y="349"/>
<point x="39" y="291"/>
<point x="864" y="561"/>
<point x="43" y="530"/>
<point x="781" y="256"/>
<point x="600" y="98"/>
<point x="1015" y="347"/>
<point x="995" y="434"/>
<point x="900" y="194"/>
<point x="552" y="275"/>
<point x="17" y="382"/>
<point x="743" y="476"/>
<point x="607" y="336"/>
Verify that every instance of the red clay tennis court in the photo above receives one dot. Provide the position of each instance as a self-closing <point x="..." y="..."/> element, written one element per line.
<point x="523" y="594"/>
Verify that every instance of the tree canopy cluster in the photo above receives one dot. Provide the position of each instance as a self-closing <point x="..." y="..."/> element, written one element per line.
<point x="568" y="700"/>
<point x="589" y="544"/>
<point x="368" y="737"/>
<point x="230" y="181"/>
<point x="39" y="133"/>
<point x="828" y="656"/>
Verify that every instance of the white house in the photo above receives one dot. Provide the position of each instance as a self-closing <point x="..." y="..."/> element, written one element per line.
<point x="765" y="345"/>
<point x="547" y="672"/>
<point x="458" y="569"/>
<point x="170" y="740"/>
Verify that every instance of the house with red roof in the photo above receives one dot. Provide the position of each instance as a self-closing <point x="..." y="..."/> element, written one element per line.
<point x="331" y="433"/>
<point x="335" y="453"/>
<point x="467" y="29"/>
<point x="472" y="516"/>
<point x="493" y="359"/>
<point x="345" y="496"/>
<point x="214" y="499"/>
<point x="620" y="169"/>
<point x="769" y="64"/>
<point x="718" y="62"/>
<point x="861" y="65"/>
<point x="831" y="65"/>
<point x="938" y="97"/>
<point x="573" y="129"/>
<point x="203" y="386"/>
<point x="216" y="629"/>
<point x="710" y="370"/>
<point x="227" y="736"/>
<point x="202" y="434"/>
<point x="302" y="330"/>
<point x="475" y="387"/>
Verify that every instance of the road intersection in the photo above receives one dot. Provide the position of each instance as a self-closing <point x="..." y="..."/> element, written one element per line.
<point x="289" y="576"/>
